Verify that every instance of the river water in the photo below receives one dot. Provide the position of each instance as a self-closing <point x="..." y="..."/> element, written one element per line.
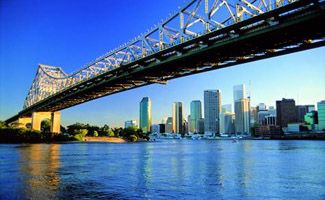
<point x="171" y="169"/>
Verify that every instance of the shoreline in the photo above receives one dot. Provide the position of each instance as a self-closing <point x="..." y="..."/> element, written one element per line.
<point x="104" y="139"/>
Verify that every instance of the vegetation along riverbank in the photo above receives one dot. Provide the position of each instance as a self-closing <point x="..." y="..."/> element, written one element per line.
<point x="75" y="132"/>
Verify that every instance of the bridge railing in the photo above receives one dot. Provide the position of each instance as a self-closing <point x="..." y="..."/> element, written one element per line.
<point x="196" y="18"/>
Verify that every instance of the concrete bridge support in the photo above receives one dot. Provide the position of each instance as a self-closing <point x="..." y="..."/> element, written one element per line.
<point x="54" y="117"/>
<point x="21" y="122"/>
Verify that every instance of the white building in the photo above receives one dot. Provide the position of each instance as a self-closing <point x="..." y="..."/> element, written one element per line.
<point x="130" y="123"/>
<point x="242" y="110"/>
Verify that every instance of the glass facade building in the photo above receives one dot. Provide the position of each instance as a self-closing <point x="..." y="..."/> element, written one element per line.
<point x="196" y="114"/>
<point x="145" y="114"/>
<point x="212" y="109"/>
<point x="321" y="115"/>
<point x="178" y="117"/>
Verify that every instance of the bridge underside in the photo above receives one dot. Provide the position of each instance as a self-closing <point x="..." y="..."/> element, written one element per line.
<point x="289" y="29"/>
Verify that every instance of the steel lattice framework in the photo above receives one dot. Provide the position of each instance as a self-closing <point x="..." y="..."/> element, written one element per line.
<point x="197" y="18"/>
<point x="204" y="35"/>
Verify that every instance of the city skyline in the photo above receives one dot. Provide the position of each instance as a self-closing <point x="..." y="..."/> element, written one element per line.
<point x="191" y="99"/>
<point x="18" y="39"/>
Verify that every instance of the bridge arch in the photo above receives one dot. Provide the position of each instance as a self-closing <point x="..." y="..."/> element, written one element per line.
<point x="54" y="117"/>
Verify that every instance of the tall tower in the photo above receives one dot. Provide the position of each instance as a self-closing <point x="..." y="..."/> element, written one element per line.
<point x="145" y="114"/>
<point x="242" y="110"/>
<point x="242" y="123"/>
<point x="286" y="112"/>
<point x="177" y="117"/>
<point x="321" y="115"/>
<point x="196" y="114"/>
<point x="224" y="109"/>
<point x="212" y="109"/>
<point x="239" y="92"/>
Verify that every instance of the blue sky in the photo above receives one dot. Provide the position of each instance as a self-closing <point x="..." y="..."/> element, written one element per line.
<point x="72" y="33"/>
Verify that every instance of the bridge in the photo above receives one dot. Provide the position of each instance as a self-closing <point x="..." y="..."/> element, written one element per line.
<point x="203" y="35"/>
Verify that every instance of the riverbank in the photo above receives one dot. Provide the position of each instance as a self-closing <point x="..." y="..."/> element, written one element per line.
<point x="105" y="139"/>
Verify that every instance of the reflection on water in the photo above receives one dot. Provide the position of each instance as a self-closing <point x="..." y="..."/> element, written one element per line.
<point x="39" y="165"/>
<point x="164" y="170"/>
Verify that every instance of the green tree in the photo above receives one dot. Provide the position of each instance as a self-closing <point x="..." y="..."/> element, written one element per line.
<point x="2" y="124"/>
<point x="111" y="133"/>
<point x="118" y="132"/>
<point x="46" y="126"/>
<point x="95" y="134"/>
<point x="71" y="129"/>
<point x="133" y="138"/>
<point x="129" y="131"/>
<point x="79" y="134"/>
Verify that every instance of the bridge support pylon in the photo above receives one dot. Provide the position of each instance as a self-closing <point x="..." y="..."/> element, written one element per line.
<point x="54" y="117"/>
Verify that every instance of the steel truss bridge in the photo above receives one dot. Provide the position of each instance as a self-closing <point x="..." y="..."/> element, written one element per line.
<point x="204" y="35"/>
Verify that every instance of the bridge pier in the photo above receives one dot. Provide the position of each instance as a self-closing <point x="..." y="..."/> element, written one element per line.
<point x="21" y="122"/>
<point x="54" y="117"/>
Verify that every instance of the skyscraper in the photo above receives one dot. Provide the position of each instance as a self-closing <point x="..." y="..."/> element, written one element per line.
<point x="239" y="92"/>
<point x="200" y="126"/>
<point x="212" y="109"/>
<point x="224" y="109"/>
<point x="242" y="123"/>
<point x="242" y="110"/>
<point x="169" y="125"/>
<point x="196" y="114"/>
<point x="285" y="112"/>
<point x="321" y="115"/>
<point x="229" y="123"/>
<point x="145" y="114"/>
<point x="178" y="117"/>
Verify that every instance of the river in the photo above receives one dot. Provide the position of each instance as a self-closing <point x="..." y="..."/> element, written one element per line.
<point x="170" y="169"/>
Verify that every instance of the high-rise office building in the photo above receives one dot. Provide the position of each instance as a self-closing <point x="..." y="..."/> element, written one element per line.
<point x="239" y="92"/>
<point x="242" y="116"/>
<point x="169" y="125"/>
<point x="253" y="116"/>
<point x="242" y="110"/>
<point x="196" y="114"/>
<point x="178" y="117"/>
<point x="224" y="109"/>
<point x="145" y="114"/>
<point x="229" y="123"/>
<point x="189" y="123"/>
<point x="200" y="126"/>
<point x="285" y="112"/>
<point x="212" y="108"/>
<point x="321" y="115"/>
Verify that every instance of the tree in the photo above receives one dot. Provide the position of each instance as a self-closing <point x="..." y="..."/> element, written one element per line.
<point x="2" y="124"/>
<point x="46" y="126"/>
<point x="133" y="138"/>
<point x="111" y="133"/>
<point x="129" y="131"/>
<point x="95" y="134"/>
<point x="77" y="126"/>
<point x="80" y="134"/>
